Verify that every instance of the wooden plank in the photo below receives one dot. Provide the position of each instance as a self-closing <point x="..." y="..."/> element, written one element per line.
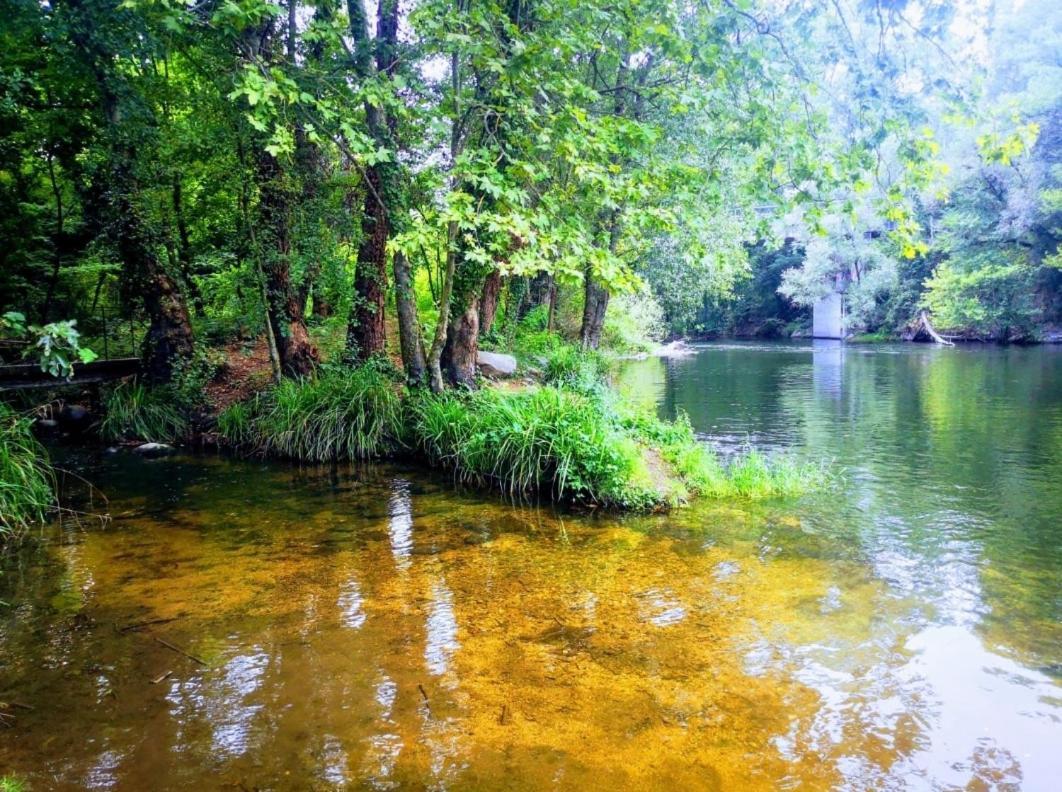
<point x="29" y="375"/>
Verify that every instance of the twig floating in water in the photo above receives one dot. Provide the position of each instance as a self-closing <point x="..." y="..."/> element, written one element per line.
<point x="180" y="651"/>
<point x="424" y="693"/>
<point x="143" y="624"/>
<point x="158" y="679"/>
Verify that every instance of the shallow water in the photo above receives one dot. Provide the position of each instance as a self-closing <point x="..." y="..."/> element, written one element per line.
<point x="372" y="628"/>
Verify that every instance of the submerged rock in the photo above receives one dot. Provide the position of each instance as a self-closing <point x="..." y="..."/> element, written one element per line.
<point x="154" y="449"/>
<point x="74" y="418"/>
<point x="495" y="364"/>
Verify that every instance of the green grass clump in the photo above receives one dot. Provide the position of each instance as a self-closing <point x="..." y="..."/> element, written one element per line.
<point x="581" y="370"/>
<point x="342" y="414"/>
<point x="134" y="411"/>
<point x="749" y="475"/>
<point x="540" y="440"/>
<point x="27" y="485"/>
<point x="12" y="784"/>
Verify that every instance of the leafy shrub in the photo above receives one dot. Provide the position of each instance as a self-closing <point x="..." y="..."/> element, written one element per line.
<point x="343" y="414"/>
<point x="633" y="323"/>
<point x="992" y="301"/>
<point x="56" y="346"/>
<point x="567" y="366"/>
<point x="27" y="486"/>
<point x="133" y="410"/>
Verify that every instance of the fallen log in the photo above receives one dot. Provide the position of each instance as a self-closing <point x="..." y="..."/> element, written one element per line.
<point x="922" y="329"/>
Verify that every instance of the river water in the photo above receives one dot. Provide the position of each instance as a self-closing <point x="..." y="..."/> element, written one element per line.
<point x="248" y="625"/>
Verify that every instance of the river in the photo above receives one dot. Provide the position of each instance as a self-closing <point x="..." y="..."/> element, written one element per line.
<point x="251" y="625"/>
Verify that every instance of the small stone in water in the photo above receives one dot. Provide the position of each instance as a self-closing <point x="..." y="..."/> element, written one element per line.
<point x="154" y="449"/>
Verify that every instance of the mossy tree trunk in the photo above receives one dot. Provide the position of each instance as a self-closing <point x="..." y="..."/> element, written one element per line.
<point x="366" y="334"/>
<point x="488" y="301"/>
<point x="169" y="339"/>
<point x="410" y="341"/>
<point x="296" y="350"/>
<point x="278" y="191"/>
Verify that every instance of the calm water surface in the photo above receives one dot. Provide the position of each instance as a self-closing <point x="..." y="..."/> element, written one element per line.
<point x="371" y="628"/>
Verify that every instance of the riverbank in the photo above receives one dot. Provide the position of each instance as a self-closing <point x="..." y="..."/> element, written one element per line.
<point x="558" y="433"/>
<point x="564" y="435"/>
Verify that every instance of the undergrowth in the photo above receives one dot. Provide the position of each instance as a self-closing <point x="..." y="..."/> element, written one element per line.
<point x="27" y="485"/>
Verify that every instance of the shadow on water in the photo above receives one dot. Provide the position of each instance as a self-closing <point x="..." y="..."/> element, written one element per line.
<point x="242" y="624"/>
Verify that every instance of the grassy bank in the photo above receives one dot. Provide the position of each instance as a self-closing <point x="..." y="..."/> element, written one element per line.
<point x="570" y="438"/>
<point x="27" y="486"/>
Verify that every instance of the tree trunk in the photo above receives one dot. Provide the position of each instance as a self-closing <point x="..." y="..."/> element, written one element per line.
<point x="408" y="324"/>
<point x="184" y="246"/>
<point x="366" y="335"/>
<point x="366" y="332"/>
<point x="594" y="307"/>
<point x="298" y="355"/>
<point x="442" y="324"/>
<point x="169" y="338"/>
<point x="596" y="293"/>
<point x="462" y="345"/>
<point x="488" y="301"/>
<point x="538" y="292"/>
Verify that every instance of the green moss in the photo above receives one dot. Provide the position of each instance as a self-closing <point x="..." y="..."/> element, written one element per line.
<point x="871" y="338"/>
<point x="27" y="486"/>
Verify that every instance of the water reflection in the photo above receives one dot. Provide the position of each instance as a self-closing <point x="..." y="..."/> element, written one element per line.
<point x="400" y="522"/>
<point x="371" y="629"/>
<point x="441" y="628"/>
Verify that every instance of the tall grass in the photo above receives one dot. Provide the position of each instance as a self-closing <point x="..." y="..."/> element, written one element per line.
<point x="27" y="484"/>
<point x="541" y="440"/>
<point x="133" y="410"/>
<point x="343" y="414"/>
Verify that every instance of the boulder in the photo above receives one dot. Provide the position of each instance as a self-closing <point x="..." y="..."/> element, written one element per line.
<point x="495" y="364"/>
<point x="154" y="449"/>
